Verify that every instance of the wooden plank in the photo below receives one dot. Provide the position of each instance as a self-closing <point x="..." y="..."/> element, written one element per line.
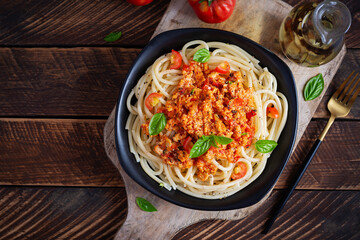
<point x="307" y="215"/>
<point x="55" y="152"/>
<point x="97" y="213"/>
<point x="86" y="22"/>
<point x="86" y="81"/>
<point x="71" y="153"/>
<point x="74" y="23"/>
<point x="59" y="82"/>
<point x="61" y="213"/>
<point x="339" y="151"/>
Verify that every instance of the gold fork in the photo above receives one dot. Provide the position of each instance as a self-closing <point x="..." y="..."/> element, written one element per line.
<point x="339" y="105"/>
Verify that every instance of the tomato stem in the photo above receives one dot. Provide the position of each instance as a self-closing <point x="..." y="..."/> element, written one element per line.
<point x="209" y="2"/>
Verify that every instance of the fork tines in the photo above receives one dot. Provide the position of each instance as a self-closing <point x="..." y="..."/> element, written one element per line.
<point x="343" y="95"/>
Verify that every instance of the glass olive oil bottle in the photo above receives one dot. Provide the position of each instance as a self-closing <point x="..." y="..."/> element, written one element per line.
<point x="313" y="34"/>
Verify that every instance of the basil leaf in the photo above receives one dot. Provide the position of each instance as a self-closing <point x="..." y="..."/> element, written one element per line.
<point x="157" y="124"/>
<point x="145" y="205"/>
<point x="200" y="147"/>
<point x="265" y="146"/>
<point x="213" y="142"/>
<point x="202" y="55"/>
<point x="205" y="142"/>
<point x="222" y="140"/>
<point x="244" y="133"/>
<point x="314" y="87"/>
<point x="112" y="37"/>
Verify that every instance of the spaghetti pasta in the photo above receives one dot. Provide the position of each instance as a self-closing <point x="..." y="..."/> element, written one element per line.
<point x="198" y="100"/>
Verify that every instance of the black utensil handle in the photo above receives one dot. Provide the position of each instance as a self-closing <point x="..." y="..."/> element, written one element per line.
<point x="296" y="180"/>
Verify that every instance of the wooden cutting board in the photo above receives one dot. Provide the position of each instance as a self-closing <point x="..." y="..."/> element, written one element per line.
<point x="260" y="21"/>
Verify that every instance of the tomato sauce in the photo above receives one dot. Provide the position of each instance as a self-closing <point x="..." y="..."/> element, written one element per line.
<point x="204" y="103"/>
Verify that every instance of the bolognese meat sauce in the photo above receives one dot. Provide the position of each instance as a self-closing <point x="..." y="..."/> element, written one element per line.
<point x="204" y="103"/>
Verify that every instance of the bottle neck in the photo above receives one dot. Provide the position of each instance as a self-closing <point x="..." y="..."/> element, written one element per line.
<point x="310" y="31"/>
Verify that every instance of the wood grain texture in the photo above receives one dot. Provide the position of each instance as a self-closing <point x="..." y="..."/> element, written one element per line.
<point x="87" y="22"/>
<point x="87" y="81"/>
<point x="97" y="213"/>
<point x="339" y="151"/>
<point x="55" y="152"/>
<point x="79" y="22"/>
<point x="60" y="82"/>
<point x="71" y="153"/>
<point x="307" y="215"/>
<point x="61" y="213"/>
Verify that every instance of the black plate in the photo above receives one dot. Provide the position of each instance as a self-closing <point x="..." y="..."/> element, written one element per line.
<point x="175" y="39"/>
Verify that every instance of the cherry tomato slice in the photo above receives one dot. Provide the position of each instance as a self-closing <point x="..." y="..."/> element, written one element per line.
<point x="188" y="144"/>
<point x="176" y="60"/>
<point x="239" y="171"/>
<point x="152" y="100"/>
<point x="272" y="112"/>
<point x="223" y="68"/>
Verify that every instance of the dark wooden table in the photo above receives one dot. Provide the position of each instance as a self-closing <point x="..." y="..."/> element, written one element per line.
<point x="59" y="81"/>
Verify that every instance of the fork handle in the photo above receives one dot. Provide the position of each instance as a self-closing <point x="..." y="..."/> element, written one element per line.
<point x="294" y="183"/>
<point x="327" y="127"/>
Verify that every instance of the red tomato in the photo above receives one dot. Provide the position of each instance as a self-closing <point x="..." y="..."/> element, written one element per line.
<point x="272" y="112"/>
<point x="223" y="68"/>
<point x="139" y="2"/>
<point x="250" y="114"/>
<point x="239" y="171"/>
<point x="176" y="60"/>
<point x="188" y="144"/>
<point x="152" y="100"/>
<point x="213" y="11"/>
